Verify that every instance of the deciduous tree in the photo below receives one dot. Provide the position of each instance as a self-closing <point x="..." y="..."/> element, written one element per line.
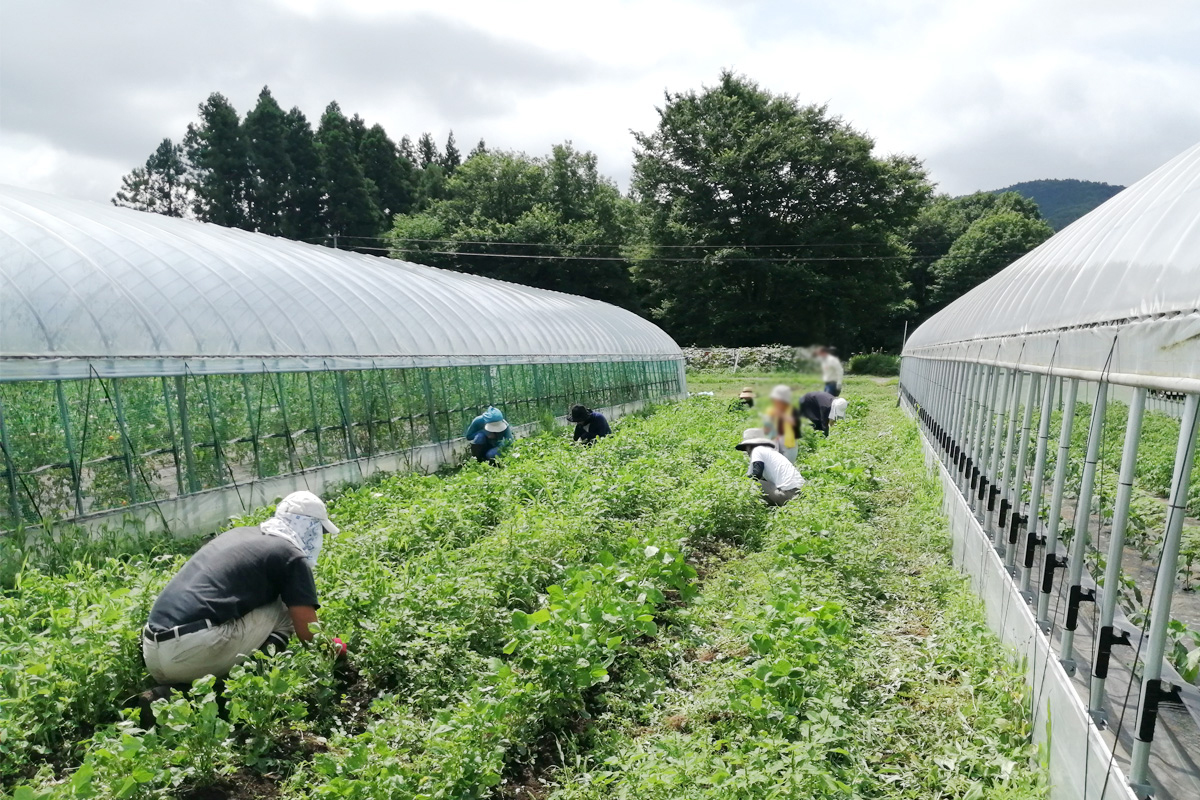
<point x="768" y="220"/>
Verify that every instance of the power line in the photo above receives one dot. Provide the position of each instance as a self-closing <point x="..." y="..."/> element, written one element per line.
<point x="812" y="245"/>
<point x="690" y="259"/>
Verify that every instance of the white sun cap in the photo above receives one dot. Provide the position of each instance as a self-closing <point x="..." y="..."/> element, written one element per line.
<point x="499" y="426"/>
<point x="783" y="393"/>
<point x="309" y="505"/>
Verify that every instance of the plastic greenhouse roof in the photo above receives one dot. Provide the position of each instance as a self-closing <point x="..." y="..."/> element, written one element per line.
<point x="1116" y="294"/>
<point x="89" y="289"/>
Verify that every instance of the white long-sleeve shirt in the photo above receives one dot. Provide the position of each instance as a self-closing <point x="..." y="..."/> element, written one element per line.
<point x="831" y="369"/>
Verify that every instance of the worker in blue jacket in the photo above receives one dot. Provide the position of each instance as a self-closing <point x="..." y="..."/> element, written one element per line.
<point x="489" y="433"/>
<point x="589" y="425"/>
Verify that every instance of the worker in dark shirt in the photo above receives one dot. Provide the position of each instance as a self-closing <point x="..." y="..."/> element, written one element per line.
<point x="815" y="407"/>
<point x="589" y="425"/>
<point x="246" y="589"/>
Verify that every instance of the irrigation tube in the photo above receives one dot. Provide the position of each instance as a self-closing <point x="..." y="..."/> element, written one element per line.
<point x="1083" y="516"/>
<point x="1052" y="561"/>
<point x="1164" y="588"/>
<point x="1116" y="549"/>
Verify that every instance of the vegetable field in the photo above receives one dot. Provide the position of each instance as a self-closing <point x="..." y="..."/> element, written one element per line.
<point x="621" y="621"/>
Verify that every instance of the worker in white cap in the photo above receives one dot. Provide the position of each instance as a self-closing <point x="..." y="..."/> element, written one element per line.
<point x="779" y="479"/>
<point x="781" y="423"/>
<point x="247" y="589"/>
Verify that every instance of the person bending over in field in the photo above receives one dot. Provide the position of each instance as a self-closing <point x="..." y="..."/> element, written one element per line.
<point x="746" y="397"/>
<point x="246" y="590"/>
<point x="831" y="370"/>
<point x="781" y="423"/>
<point x="589" y="425"/>
<point x="489" y="433"/>
<point x="816" y="407"/>
<point x="780" y="480"/>
<point x="837" y="410"/>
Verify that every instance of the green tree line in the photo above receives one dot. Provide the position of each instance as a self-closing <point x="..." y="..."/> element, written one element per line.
<point x="750" y="217"/>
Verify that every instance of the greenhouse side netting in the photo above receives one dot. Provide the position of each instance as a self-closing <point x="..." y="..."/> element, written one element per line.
<point x="1059" y="406"/>
<point x="154" y="364"/>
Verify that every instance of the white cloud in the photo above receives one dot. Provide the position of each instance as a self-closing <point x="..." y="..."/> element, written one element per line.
<point x="987" y="94"/>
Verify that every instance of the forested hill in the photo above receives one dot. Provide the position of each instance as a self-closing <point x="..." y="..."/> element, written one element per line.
<point x="1063" y="201"/>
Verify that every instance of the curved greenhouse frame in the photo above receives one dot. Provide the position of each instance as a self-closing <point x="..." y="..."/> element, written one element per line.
<point x="1033" y="391"/>
<point x="191" y="371"/>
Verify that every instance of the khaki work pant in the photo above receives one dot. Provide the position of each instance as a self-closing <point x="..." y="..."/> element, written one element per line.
<point x="776" y="496"/>
<point x="216" y="650"/>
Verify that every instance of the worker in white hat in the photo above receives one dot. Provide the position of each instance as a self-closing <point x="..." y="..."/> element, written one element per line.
<point x="247" y="589"/>
<point x="781" y="423"/>
<point x="780" y="480"/>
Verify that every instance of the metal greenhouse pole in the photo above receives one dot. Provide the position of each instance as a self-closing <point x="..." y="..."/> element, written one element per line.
<point x="1018" y="480"/>
<point x="1036" y="490"/>
<point x="1079" y="541"/>
<point x="1107" y="636"/>
<point x="1052" y="560"/>
<point x="1154" y="690"/>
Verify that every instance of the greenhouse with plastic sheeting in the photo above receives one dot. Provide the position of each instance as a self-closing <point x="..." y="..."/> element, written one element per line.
<point x="1058" y="402"/>
<point x="177" y="372"/>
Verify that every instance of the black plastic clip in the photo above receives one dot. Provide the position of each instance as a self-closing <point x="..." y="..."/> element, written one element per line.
<point x="993" y="493"/>
<point x="1109" y="638"/>
<point x="983" y="484"/>
<point x="1157" y="693"/>
<point x="1053" y="561"/>
<point x="1078" y="595"/>
<point x="1014" y="527"/>
<point x="974" y="474"/>
<point x="1033" y="541"/>
<point x="1005" y="505"/>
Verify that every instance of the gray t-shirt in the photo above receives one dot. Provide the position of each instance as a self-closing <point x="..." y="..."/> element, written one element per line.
<point x="237" y="572"/>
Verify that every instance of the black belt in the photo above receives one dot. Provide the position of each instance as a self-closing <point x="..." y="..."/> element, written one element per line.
<point x="177" y="631"/>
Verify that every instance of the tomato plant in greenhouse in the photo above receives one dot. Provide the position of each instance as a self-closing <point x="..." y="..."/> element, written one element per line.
<point x="627" y="619"/>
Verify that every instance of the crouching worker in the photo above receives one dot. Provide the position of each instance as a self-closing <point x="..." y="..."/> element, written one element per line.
<point x="247" y="589"/>
<point x="816" y="408"/>
<point x="488" y="434"/>
<point x="837" y="410"/>
<point x="780" y="480"/>
<point x="589" y="425"/>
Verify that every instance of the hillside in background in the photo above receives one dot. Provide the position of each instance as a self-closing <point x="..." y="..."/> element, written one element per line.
<point x="1063" y="201"/>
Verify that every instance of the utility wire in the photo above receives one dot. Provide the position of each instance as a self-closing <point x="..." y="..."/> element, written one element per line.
<point x="689" y="259"/>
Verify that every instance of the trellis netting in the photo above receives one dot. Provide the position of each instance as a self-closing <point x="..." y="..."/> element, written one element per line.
<point x="188" y="371"/>
<point x="1059" y="403"/>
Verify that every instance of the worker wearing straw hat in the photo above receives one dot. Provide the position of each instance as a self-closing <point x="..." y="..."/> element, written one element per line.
<point x="781" y="423"/>
<point x="780" y="481"/>
<point x="747" y="397"/>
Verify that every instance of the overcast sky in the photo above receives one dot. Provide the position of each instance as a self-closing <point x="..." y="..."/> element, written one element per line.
<point x="987" y="94"/>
